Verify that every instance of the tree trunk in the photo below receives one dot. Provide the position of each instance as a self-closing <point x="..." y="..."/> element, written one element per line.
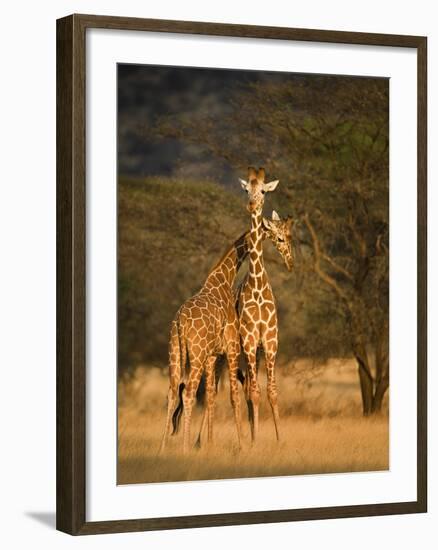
<point x="382" y="367"/>
<point x="365" y="376"/>
<point x="381" y="388"/>
<point x="366" y="386"/>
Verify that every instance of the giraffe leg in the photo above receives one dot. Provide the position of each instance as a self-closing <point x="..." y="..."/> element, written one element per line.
<point x="211" y="391"/>
<point x="272" y="391"/>
<point x="235" y="400"/>
<point x="251" y="386"/>
<point x="253" y="395"/>
<point x="201" y="429"/>
<point x="232" y="341"/>
<point x="188" y="396"/>
<point x="233" y="352"/>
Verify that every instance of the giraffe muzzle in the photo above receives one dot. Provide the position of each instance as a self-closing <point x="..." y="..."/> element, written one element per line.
<point x="289" y="262"/>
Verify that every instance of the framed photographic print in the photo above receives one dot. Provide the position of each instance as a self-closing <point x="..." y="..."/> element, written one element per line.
<point x="241" y="274"/>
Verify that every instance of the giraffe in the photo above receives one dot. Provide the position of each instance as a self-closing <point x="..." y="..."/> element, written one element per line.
<point x="205" y="326"/>
<point x="277" y="230"/>
<point x="256" y="304"/>
<point x="217" y="288"/>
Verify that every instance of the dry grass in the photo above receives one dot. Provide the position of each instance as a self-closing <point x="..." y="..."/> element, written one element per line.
<point x="322" y="430"/>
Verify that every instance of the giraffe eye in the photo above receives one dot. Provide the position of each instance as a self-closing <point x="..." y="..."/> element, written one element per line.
<point x="280" y="240"/>
<point x="263" y="192"/>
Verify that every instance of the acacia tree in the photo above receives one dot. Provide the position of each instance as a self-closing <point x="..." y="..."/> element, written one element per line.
<point x="326" y="139"/>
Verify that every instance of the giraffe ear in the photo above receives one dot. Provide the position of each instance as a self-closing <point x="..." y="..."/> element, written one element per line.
<point x="271" y="185"/>
<point x="275" y="216"/>
<point x="267" y="224"/>
<point x="244" y="184"/>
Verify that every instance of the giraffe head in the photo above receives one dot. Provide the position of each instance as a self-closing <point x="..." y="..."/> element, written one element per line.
<point x="256" y="188"/>
<point x="279" y="231"/>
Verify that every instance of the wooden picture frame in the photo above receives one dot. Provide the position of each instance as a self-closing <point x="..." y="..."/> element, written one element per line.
<point x="71" y="273"/>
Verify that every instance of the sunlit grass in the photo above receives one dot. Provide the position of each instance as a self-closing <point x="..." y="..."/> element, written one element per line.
<point x="322" y="430"/>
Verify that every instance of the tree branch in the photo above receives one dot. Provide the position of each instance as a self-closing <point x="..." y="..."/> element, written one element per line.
<point x="318" y="254"/>
<point x="337" y="267"/>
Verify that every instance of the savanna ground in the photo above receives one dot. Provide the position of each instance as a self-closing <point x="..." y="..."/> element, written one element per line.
<point x="322" y="429"/>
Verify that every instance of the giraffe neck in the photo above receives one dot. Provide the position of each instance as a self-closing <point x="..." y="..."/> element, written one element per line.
<point x="230" y="263"/>
<point x="256" y="264"/>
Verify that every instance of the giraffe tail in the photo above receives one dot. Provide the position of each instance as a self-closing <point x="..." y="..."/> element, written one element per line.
<point x="240" y="376"/>
<point x="176" y="417"/>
